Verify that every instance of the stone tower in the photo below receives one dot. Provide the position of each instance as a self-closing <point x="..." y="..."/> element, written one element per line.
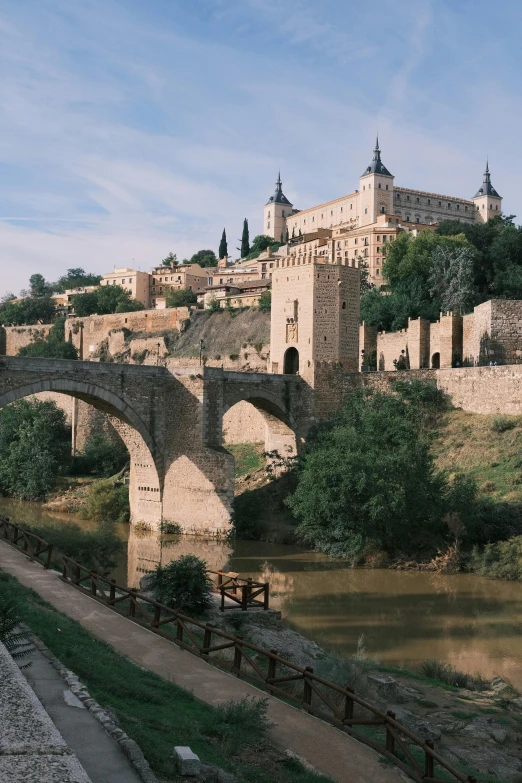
<point x="375" y="190"/>
<point x="315" y="317"/>
<point x="487" y="201"/>
<point x="277" y="209"/>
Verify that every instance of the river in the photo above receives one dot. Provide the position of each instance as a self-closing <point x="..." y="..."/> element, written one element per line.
<point x="404" y="617"/>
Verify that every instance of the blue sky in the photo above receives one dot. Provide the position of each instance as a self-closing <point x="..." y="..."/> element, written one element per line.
<point x="133" y="128"/>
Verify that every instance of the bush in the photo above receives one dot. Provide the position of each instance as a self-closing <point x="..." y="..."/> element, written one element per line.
<point x="240" y="723"/>
<point x="107" y="502"/>
<point x="183" y="585"/>
<point x="445" y="673"/>
<point x="102" y="456"/>
<point x="34" y="448"/>
<point x="14" y="640"/>
<point x="502" y="560"/>
<point x="368" y="479"/>
<point x="248" y="508"/>
<point x="213" y="305"/>
<point x="53" y="346"/>
<point x="180" y="297"/>
<point x="265" y="302"/>
<point x="503" y="423"/>
<point x="97" y="550"/>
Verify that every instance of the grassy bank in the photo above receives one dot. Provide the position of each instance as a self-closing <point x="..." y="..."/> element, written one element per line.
<point x="154" y="712"/>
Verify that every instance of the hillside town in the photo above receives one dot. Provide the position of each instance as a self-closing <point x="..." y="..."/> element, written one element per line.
<point x="260" y="472"/>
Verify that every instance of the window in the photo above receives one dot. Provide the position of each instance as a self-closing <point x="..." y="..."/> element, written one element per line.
<point x="377" y="272"/>
<point x="313" y="220"/>
<point x="429" y="201"/>
<point x="449" y="205"/>
<point x="491" y="206"/>
<point x="482" y="206"/>
<point x="385" y="238"/>
<point x="386" y="187"/>
<point x="407" y="198"/>
<point x="418" y="220"/>
<point x="366" y="210"/>
<point x="123" y="282"/>
<point x="341" y="209"/>
<point x="355" y="240"/>
<point x="458" y="206"/>
<point x="378" y="238"/>
<point x="268" y="224"/>
<point x="495" y="207"/>
<point x="383" y="210"/>
<point x="304" y="221"/>
<point x="351" y="206"/>
<point x="322" y="215"/>
<point x="268" y="213"/>
<point x="407" y="218"/>
<point x="398" y="196"/>
<point x="331" y="212"/>
<point x="283" y="213"/>
<point x="343" y="306"/>
<point x="364" y="187"/>
<point x="418" y="200"/>
<point x="465" y="209"/>
<point x="379" y="185"/>
<point x="378" y="249"/>
<point x="440" y="203"/>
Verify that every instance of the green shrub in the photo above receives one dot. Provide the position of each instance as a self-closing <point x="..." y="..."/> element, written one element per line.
<point x="34" y="448"/>
<point x="503" y="423"/>
<point x="240" y="722"/>
<point x="139" y="356"/>
<point x="107" y="502"/>
<point x="246" y="514"/>
<point x="180" y="297"/>
<point x="183" y="584"/>
<point x="233" y="357"/>
<point x="447" y="674"/>
<point x="102" y="456"/>
<point x="501" y="560"/>
<point x="265" y="302"/>
<point x="213" y="305"/>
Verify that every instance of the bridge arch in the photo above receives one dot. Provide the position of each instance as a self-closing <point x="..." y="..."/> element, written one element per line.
<point x="147" y="473"/>
<point x="269" y="422"/>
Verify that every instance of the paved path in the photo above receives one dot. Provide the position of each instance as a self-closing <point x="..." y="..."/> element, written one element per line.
<point x="324" y="747"/>
<point x="100" y="755"/>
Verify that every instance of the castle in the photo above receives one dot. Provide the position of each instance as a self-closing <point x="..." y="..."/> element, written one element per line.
<point x="361" y="224"/>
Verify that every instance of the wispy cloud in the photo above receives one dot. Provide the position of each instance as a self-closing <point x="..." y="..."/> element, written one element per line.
<point x="130" y="130"/>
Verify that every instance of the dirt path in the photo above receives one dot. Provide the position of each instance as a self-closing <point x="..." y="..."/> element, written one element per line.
<point x="326" y="749"/>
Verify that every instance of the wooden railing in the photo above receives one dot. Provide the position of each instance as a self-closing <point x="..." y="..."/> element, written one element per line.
<point x="241" y="592"/>
<point x="338" y="705"/>
<point x="29" y="543"/>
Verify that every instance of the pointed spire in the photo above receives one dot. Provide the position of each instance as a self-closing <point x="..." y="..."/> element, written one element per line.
<point x="487" y="188"/>
<point x="278" y="196"/>
<point x="377" y="166"/>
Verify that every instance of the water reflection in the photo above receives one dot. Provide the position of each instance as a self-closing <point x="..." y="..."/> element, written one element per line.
<point x="405" y="617"/>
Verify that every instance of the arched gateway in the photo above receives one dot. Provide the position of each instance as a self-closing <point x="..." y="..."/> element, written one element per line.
<point x="171" y="423"/>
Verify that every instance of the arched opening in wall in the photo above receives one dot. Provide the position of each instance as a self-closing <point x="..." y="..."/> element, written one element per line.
<point x="291" y="361"/>
<point x="146" y="479"/>
<point x="258" y="435"/>
<point x="435" y="361"/>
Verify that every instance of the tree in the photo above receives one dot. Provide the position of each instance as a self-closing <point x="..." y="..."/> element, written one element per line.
<point x="451" y="278"/>
<point x="170" y="260"/>
<point x="39" y="286"/>
<point x="28" y="311"/>
<point x="180" y="297"/>
<point x="265" y="302"/>
<point x="54" y="346"/>
<point x="34" y="448"/>
<point x="183" y="584"/>
<point x="245" y="240"/>
<point x="205" y="258"/>
<point x="368" y="478"/>
<point x="223" y="247"/>
<point x="75" y="278"/>
<point x="105" y="300"/>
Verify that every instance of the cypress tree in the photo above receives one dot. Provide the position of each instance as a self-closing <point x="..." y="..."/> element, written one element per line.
<point x="245" y="240"/>
<point x="223" y="248"/>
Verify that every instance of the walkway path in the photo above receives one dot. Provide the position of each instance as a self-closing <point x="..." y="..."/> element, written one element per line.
<point x="100" y="755"/>
<point x="324" y="747"/>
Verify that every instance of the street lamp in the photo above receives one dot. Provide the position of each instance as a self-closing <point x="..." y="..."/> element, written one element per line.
<point x="158" y="345"/>
<point x="201" y="348"/>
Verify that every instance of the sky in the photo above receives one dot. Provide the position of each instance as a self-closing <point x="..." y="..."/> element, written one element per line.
<point x="130" y="129"/>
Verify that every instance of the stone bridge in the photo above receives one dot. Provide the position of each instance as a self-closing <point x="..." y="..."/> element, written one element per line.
<point x="171" y="423"/>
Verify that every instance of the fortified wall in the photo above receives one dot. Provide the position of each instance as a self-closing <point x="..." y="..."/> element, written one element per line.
<point x="492" y="333"/>
<point x="12" y="338"/>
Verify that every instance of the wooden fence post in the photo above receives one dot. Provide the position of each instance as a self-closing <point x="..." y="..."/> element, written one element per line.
<point x="112" y="591"/>
<point x="244" y="598"/>
<point x="237" y="656"/>
<point x="207" y="636"/>
<point x="429" y="766"/>
<point x="348" y="704"/>
<point x="132" y="605"/>
<point x="266" y="597"/>
<point x="307" y="688"/>
<point x="222" y="605"/>
<point x="47" y="563"/>
<point x="157" y="616"/>
<point x="272" y="663"/>
<point x="77" y="574"/>
<point x="390" y="739"/>
<point x="93" y="583"/>
<point x="179" y="630"/>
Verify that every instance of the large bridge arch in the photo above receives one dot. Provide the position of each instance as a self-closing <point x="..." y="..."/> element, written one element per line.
<point x="146" y="472"/>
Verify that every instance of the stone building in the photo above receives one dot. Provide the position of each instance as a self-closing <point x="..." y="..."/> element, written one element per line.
<point x="315" y="316"/>
<point x="491" y="333"/>
<point x="135" y="282"/>
<point x="361" y="223"/>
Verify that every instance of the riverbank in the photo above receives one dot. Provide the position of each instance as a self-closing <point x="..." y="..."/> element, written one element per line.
<point x="475" y="726"/>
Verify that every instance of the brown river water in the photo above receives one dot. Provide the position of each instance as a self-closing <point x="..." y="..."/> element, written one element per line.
<point x="404" y="617"/>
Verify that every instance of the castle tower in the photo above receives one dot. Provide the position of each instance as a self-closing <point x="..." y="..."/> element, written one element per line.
<point x="375" y="190"/>
<point x="487" y="201"/>
<point x="315" y="317"/>
<point x="276" y="210"/>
